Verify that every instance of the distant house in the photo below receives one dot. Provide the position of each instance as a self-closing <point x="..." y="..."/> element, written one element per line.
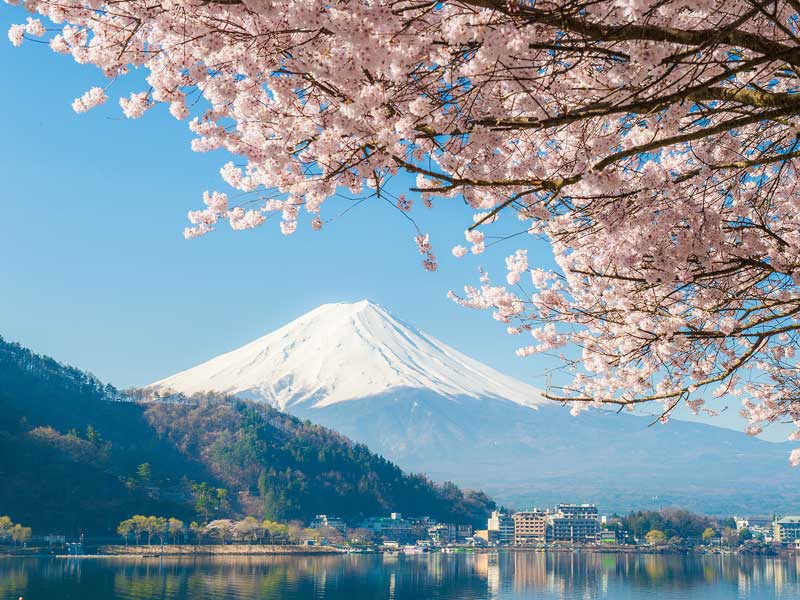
<point x="606" y="536"/>
<point x="786" y="530"/>
<point x="479" y="539"/>
<point x="441" y="533"/>
<point x="500" y="527"/>
<point x="448" y="533"/>
<point x="394" y="527"/>
<point x="321" y="521"/>
<point x="463" y="532"/>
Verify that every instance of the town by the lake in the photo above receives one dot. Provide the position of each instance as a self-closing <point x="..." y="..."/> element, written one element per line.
<point x="400" y="300"/>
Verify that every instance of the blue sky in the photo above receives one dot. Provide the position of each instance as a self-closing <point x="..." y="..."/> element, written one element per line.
<point x="95" y="271"/>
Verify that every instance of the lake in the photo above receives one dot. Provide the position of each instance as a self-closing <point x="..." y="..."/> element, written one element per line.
<point x="498" y="575"/>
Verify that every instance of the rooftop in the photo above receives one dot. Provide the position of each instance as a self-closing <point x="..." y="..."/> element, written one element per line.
<point x="789" y="519"/>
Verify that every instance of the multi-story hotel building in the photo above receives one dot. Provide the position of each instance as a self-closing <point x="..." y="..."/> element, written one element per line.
<point x="530" y="527"/>
<point x="501" y="528"/>
<point x="573" y="523"/>
<point x="786" y="530"/>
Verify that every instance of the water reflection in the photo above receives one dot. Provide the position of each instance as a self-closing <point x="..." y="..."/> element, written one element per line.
<point x="498" y="576"/>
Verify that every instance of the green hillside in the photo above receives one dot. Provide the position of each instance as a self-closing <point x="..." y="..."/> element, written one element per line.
<point x="71" y="450"/>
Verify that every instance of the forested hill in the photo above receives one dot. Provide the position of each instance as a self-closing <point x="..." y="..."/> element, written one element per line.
<point x="68" y="453"/>
<point x="75" y="455"/>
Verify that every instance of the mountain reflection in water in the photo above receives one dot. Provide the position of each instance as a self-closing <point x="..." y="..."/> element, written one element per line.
<point x="499" y="575"/>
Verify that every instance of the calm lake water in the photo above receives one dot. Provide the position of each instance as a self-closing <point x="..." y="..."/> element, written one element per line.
<point x="503" y="575"/>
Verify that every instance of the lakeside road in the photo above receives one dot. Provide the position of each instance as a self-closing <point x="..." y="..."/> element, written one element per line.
<point x="267" y="549"/>
<point x="214" y="550"/>
<point x="177" y="550"/>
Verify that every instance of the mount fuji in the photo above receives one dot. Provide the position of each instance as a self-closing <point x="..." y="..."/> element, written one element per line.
<point x="343" y="352"/>
<point x="356" y="368"/>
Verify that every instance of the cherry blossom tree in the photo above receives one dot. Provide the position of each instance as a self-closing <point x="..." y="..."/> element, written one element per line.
<point x="653" y="143"/>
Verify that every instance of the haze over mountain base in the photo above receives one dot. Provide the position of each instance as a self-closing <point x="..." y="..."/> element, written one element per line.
<point x="526" y="457"/>
<point x="361" y="371"/>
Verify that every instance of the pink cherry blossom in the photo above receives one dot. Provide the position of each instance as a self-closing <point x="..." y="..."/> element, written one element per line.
<point x="216" y="201"/>
<point x="135" y="105"/>
<point x="727" y="325"/>
<point x="653" y="144"/>
<point x="516" y="264"/>
<point x="34" y="27"/>
<point x="93" y="97"/>
<point x="16" y="33"/>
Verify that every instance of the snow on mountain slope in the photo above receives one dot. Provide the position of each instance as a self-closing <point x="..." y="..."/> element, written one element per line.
<point x="346" y="351"/>
<point x="357" y="369"/>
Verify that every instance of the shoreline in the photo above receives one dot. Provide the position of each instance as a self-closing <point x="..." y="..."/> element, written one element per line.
<point x="115" y="551"/>
<point x="213" y="550"/>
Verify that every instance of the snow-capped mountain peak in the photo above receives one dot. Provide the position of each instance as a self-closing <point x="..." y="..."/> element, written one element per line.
<point x="346" y="351"/>
<point x="359" y="370"/>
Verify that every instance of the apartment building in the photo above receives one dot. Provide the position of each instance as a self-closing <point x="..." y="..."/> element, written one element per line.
<point x="573" y="523"/>
<point x="786" y="530"/>
<point x="501" y="528"/>
<point x="530" y="527"/>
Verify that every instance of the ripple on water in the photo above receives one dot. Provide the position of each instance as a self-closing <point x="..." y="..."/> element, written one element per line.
<point x="492" y="576"/>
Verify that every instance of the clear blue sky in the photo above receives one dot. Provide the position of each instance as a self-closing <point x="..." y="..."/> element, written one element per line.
<point x="95" y="271"/>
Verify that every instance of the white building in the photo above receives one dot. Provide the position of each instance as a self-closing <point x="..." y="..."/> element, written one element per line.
<point x="321" y="521"/>
<point x="501" y="527"/>
<point x="786" y="530"/>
